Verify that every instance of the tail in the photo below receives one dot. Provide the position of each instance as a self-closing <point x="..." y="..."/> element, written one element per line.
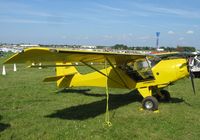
<point x="64" y="75"/>
<point x="65" y="69"/>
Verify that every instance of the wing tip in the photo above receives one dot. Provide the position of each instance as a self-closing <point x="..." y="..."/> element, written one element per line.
<point x="11" y="59"/>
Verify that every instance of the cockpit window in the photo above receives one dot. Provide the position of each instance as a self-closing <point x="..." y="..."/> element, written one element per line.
<point x="140" y="69"/>
<point x="143" y="67"/>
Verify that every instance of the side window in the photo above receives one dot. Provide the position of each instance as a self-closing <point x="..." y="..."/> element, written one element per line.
<point x="143" y="67"/>
<point x="139" y="69"/>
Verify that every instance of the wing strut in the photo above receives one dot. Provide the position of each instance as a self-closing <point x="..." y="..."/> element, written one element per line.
<point x="106" y="75"/>
<point x="125" y="85"/>
<point x="107" y="117"/>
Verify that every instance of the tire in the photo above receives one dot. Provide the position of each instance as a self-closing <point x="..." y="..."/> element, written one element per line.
<point x="150" y="103"/>
<point x="165" y="96"/>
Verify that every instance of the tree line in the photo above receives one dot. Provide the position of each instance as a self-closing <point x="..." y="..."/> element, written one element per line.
<point x="147" y="48"/>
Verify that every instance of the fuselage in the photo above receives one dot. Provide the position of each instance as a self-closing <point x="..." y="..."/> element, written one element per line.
<point x="160" y="75"/>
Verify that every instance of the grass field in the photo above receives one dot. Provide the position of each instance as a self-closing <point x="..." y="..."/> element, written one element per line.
<point x="31" y="109"/>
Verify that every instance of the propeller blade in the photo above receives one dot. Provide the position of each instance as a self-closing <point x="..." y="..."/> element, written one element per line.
<point x="190" y="64"/>
<point x="192" y="81"/>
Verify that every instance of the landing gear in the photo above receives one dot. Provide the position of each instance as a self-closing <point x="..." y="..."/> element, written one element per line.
<point x="163" y="96"/>
<point x="150" y="103"/>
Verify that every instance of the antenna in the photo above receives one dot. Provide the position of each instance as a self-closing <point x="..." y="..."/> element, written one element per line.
<point x="157" y="40"/>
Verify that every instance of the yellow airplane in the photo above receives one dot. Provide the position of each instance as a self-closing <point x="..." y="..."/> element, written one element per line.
<point x="146" y="73"/>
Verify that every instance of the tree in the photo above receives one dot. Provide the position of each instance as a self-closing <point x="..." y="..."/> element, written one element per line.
<point x="120" y="47"/>
<point x="185" y="49"/>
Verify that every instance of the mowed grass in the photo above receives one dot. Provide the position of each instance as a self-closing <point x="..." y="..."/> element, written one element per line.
<point x="31" y="109"/>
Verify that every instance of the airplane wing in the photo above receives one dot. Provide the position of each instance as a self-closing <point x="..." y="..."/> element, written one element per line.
<point x="54" y="55"/>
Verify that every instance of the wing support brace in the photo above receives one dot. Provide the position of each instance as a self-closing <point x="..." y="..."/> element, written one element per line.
<point x="107" y="117"/>
<point x="117" y="73"/>
<point x="106" y="75"/>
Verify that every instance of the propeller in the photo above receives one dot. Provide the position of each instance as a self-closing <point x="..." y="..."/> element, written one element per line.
<point x="192" y="81"/>
<point x="191" y="75"/>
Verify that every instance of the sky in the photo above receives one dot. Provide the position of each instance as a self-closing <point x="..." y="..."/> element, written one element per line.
<point x="101" y="22"/>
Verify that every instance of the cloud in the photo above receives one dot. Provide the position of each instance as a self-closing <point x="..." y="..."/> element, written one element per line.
<point x="196" y="26"/>
<point x="7" y="5"/>
<point x="158" y="10"/>
<point x="179" y="12"/>
<point x="145" y="38"/>
<point x="181" y="38"/>
<point x="190" y="32"/>
<point x="27" y="21"/>
<point x="111" y="8"/>
<point x="64" y="37"/>
<point x="171" y="32"/>
<point x="108" y="37"/>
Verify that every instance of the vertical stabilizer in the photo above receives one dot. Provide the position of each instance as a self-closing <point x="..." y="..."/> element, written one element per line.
<point x="65" y="70"/>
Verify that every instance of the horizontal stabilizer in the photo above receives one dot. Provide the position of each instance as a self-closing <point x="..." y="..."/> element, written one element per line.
<point x="52" y="79"/>
<point x="56" y="78"/>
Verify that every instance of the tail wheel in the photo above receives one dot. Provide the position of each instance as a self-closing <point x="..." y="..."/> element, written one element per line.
<point x="165" y="96"/>
<point x="150" y="103"/>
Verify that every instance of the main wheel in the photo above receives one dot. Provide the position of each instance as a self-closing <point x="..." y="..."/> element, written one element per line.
<point x="150" y="103"/>
<point x="165" y="96"/>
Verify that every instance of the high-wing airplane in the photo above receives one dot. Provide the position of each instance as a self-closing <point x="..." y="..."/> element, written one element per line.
<point x="146" y="73"/>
